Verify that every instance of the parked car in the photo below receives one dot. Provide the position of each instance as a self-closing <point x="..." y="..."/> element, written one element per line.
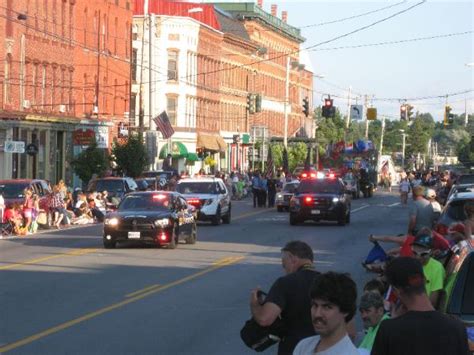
<point x="460" y="188"/>
<point x="453" y="211"/>
<point x="458" y="298"/>
<point x="116" y="187"/>
<point x="159" y="178"/>
<point x="465" y="179"/>
<point x="161" y="218"/>
<point x="283" y="197"/>
<point x="12" y="190"/>
<point x="209" y="196"/>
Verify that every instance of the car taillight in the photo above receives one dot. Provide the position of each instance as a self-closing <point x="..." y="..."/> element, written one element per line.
<point x="194" y="202"/>
<point x="304" y="175"/>
<point x="163" y="237"/>
<point x="308" y="200"/>
<point x="331" y="176"/>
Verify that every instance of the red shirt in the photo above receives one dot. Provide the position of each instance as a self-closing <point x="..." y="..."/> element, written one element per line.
<point x="439" y="243"/>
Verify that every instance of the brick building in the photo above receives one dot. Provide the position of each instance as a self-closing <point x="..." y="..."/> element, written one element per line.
<point x="65" y="79"/>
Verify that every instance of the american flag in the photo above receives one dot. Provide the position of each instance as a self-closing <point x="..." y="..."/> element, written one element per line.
<point x="163" y="125"/>
<point x="270" y="164"/>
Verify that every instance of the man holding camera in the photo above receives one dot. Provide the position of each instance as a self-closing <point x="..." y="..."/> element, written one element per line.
<point x="289" y="296"/>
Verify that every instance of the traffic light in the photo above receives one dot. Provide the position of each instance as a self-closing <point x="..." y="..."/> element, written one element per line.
<point x="403" y="112"/>
<point x="306" y="106"/>
<point x="329" y="111"/>
<point x="258" y="103"/>
<point x="448" y="116"/>
<point x="251" y="103"/>
<point x="409" y="110"/>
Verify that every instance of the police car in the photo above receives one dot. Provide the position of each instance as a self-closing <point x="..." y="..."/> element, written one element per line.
<point x="320" y="196"/>
<point x="209" y="196"/>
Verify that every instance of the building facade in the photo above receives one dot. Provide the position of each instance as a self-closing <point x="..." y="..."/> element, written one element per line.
<point x="65" y="74"/>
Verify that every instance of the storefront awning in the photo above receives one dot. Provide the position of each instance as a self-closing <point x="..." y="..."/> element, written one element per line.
<point x="178" y="150"/>
<point x="211" y="142"/>
<point x="192" y="157"/>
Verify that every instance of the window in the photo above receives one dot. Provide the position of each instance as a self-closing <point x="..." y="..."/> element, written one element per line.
<point x="127" y="39"/>
<point x="115" y="96"/>
<point x="35" y="83"/>
<point x="45" y="13"/>
<point x="7" y="78"/>
<point x="171" y="108"/>
<point x="71" y="22"/>
<point x="133" y="102"/>
<point x="54" y="16"/>
<point x="104" y="95"/>
<point x="63" y="19"/>
<point x="115" y="35"/>
<point x="173" y="65"/>
<point x="43" y="86"/>
<point x="84" y="92"/>
<point x="134" y="64"/>
<point x="53" y="89"/>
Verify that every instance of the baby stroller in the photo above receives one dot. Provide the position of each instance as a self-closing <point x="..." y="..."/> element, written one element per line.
<point x="6" y="228"/>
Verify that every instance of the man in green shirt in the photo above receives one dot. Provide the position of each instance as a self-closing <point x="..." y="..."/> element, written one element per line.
<point x="372" y="313"/>
<point x="433" y="270"/>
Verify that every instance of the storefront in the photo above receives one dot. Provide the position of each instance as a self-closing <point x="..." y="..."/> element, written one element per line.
<point x="212" y="149"/>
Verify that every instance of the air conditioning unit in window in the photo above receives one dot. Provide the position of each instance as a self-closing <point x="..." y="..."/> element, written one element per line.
<point x="26" y="104"/>
<point x="95" y="110"/>
<point x="62" y="108"/>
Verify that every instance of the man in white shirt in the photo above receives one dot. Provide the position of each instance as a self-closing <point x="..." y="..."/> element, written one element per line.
<point x="333" y="305"/>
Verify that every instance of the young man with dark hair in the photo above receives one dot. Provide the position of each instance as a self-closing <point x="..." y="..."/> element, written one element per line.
<point x="333" y="305"/>
<point x="420" y="330"/>
<point x="289" y="296"/>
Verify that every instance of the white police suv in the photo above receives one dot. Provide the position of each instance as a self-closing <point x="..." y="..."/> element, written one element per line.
<point x="209" y="196"/>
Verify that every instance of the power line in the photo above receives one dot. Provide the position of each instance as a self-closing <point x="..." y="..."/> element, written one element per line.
<point x="353" y="17"/>
<point x="395" y="42"/>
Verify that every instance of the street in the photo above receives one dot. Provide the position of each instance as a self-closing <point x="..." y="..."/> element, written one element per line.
<point x="62" y="293"/>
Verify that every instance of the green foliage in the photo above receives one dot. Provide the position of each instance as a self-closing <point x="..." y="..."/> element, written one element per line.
<point x="419" y="133"/>
<point x="89" y="162"/>
<point x="296" y="155"/>
<point x="131" y="157"/>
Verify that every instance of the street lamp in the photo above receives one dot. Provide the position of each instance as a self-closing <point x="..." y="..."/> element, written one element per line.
<point x="402" y="131"/>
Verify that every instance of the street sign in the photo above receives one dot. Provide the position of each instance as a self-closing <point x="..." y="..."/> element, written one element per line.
<point x="356" y="112"/>
<point x="371" y="113"/>
<point x="14" y="147"/>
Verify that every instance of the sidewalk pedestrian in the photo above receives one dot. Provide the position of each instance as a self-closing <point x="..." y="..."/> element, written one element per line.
<point x="333" y="305"/>
<point x="289" y="296"/>
<point x="421" y="330"/>
<point x="404" y="190"/>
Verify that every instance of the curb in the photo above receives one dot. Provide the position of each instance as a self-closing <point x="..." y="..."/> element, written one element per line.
<point x="46" y="231"/>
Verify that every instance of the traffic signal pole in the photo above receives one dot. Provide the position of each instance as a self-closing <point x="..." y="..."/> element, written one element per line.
<point x="366" y="104"/>
<point x="287" y="98"/>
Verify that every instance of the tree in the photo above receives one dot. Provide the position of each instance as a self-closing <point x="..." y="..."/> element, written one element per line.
<point x="89" y="162"/>
<point x="296" y="154"/>
<point x="131" y="157"/>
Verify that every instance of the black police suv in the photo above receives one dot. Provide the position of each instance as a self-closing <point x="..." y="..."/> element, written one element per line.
<point x="321" y="199"/>
<point x="158" y="217"/>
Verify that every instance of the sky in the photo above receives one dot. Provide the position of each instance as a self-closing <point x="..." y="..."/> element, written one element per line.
<point x="409" y="71"/>
<point x="406" y="70"/>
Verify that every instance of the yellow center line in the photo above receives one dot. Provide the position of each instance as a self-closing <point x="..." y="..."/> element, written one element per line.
<point x="38" y="260"/>
<point x="251" y="214"/>
<point x="218" y="265"/>
<point x="142" y="290"/>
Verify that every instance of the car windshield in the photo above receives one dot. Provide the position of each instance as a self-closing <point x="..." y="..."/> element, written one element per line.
<point x="197" y="188"/>
<point x="107" y="185"/>
<point x="291" y="188"/>
<point x="14" y="190"/>
<point x="145" y="202"/>
<point x="466" y="179"/>
<point x="319" y="186"/>
<point x="160" y="174"/>
<point x="455" y="210"/>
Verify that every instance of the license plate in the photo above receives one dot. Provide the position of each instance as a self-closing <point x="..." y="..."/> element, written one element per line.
<point x="315" y="211"/>
<point x="133" y="235"/>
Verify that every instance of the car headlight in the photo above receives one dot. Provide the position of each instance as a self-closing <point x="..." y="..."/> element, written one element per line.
<point x="335" y="199"/>
<point x="111" y="221"/>
<point x="162" y="222"/>
<point x="279" y="196"/>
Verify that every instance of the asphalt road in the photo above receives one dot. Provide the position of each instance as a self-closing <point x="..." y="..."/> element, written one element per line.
<point x="62" y="293"/>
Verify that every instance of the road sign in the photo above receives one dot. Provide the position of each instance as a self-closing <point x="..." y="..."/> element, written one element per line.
<point x="356" y="112"/>
<point x="14" y="147"/>
<point x="371" y="113"/>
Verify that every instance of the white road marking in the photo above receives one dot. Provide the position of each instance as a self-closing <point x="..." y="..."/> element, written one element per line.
<point x="360" y="208"/>
<point x="394" y="204"/>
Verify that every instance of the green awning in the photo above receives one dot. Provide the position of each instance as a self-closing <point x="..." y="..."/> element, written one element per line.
<point x="178" y="150"/>
<point x="245" y="138"/>
<point x="192" y="157"/>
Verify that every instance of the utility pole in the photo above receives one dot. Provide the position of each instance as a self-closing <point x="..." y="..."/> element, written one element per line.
<point x="348" y="118"/>
<point x="287" y="99"/>
<point x="366" y="120"/>
<point x="381" y="137"/>
<point x="141" y="111"/>
<point x="150" y="74"/>
<point x="403" y="150"/>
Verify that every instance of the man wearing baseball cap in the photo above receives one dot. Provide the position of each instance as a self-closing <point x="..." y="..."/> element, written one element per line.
<point x="421" y="212"/>
<point x="433" y="270"/>
<point x="421" y="330"/>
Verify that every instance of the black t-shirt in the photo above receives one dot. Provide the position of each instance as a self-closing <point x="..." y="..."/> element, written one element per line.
<point x="420" y="333"/>
<point x="291" y="294"/>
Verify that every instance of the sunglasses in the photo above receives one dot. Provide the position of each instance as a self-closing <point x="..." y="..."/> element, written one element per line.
<point x="422" y="254"/>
